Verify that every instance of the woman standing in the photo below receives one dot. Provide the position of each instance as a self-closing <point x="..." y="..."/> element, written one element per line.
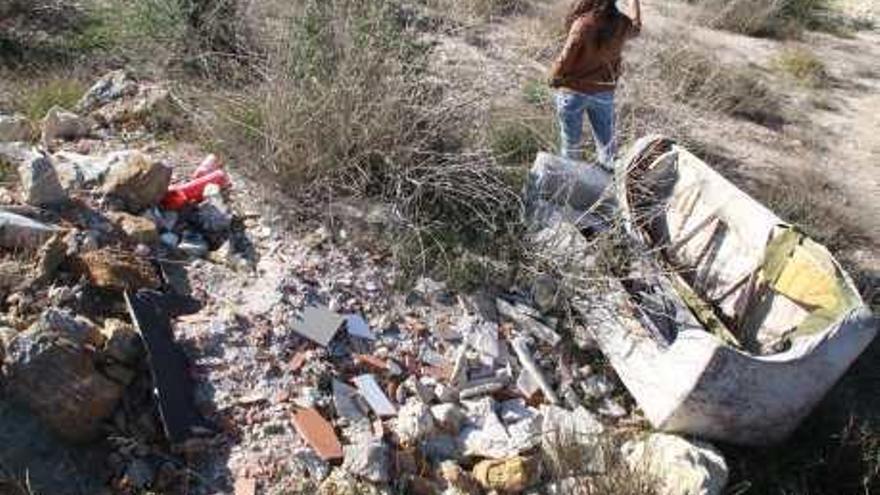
<point x="587" y="71"/>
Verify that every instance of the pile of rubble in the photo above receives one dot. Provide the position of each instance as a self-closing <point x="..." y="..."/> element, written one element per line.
<point x="218" y="351"/>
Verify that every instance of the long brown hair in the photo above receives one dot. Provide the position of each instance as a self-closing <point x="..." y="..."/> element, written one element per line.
<point x="603" y="10"/>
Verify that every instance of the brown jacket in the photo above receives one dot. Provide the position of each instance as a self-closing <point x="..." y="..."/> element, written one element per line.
<point x="585" y="66"/>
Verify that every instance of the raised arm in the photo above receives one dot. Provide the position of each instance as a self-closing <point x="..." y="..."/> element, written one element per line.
<point x="634" y="12"/>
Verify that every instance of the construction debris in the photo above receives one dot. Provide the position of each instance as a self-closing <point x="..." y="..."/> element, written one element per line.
<point x="318" y="433"/>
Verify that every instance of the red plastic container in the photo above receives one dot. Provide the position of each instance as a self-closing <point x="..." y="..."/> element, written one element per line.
<point x="210" y="164"/>
<point x="180" y="195"/>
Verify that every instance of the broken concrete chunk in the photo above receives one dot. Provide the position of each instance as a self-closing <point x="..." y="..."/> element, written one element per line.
<point x="78" y="171"/>
<point x="39" y="182"/>
<point x="318" y="433"/>
<point x="357" y="326"/>
<point x="15" y="128"/>
<point x="168" y="363"/>
<point x="317" y="324"/>
<point x="19" y="232"/>
<point x="375" y="397"/>
<point x="483" y="337"/>
<point x="520" y="347"/>
<point x="678" y="465"/>
<point x="488" y="438"/>
<point x="527" y="323"/>
<point x="139" y="229"/>
<point x="414" y="422"/>
<point x="51" y="370"/>
<point x="369" y="461"/>
<point x="115" y="270"/>
<point x="138" y="182"/>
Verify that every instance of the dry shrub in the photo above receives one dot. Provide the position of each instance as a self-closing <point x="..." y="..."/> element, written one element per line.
<point x="568" y="467"/>
<point x="341" y="102"/>
<point x="478" y="10"/>
<point x="695" y="77"/>
<point x="803" y="65"/>
<point x="764" y="17"/>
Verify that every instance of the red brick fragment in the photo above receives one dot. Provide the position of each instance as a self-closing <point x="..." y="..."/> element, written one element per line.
<point x="318" y="433"/>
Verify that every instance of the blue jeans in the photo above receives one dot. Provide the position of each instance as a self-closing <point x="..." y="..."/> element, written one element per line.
<point x="599" y="107"/>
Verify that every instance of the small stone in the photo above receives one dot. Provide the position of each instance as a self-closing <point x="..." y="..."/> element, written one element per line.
<point x="122" y="342"/>
<point x="139" y="229"/>
<point x="678" y="465"/>
<point x="512" y="475"/>
<point x="369" y="461"/>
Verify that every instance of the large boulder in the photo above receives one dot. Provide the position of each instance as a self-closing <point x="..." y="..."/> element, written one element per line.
<point x="39" y="181"/>
<point x="680" y="466"/>
<point x="138" y="182"/>
<point x="15" y="128"/>
<point x="52" y="369"/>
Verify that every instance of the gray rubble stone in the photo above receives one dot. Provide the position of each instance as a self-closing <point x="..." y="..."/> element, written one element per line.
<point x="62" y="124"/>
<point x="39" y="182"/>
<point x="370" y="461"/>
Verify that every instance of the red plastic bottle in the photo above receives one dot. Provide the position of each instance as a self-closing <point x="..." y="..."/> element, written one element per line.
<point x="180" y="195"/>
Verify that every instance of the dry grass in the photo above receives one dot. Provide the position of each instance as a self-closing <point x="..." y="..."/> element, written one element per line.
<point x="594" y="467"/>
<point x="802" y="64"/>
<point x="340" y="102"/>
<point x="777" y="18"/>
